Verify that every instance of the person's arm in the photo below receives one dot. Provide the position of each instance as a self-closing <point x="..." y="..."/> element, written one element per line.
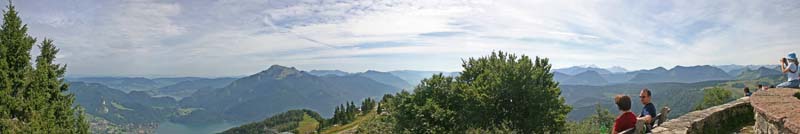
<point x="783" y="66"/>
<point x="787" y="69"/>
<point x="614" y="130"/>
<point x="647" y="114"/>
<point x="646" y="118"/>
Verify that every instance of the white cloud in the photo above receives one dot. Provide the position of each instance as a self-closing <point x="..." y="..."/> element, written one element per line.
<point x="221" y="38"/>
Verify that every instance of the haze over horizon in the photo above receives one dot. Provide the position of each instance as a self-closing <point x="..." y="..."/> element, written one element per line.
<point x="232" y="38"/>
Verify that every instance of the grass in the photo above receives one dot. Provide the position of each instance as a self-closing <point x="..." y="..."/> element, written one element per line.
<point x="341" y="128"/>
<point x="120" y="106"/>
<point x="186" y="111"/>
<point x="308" y="125"/>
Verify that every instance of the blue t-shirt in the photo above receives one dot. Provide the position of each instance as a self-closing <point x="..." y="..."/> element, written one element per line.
<point x="649" y="109"/>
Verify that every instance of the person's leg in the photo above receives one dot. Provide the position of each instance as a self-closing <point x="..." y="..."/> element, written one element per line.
<point x="794" y="84"/>
<point x="784" y="84"/>
<point x="789" y="84"/>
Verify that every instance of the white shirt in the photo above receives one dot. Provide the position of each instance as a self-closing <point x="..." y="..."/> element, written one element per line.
<point x="790" y="75"/>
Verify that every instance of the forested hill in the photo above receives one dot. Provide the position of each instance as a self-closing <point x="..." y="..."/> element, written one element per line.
<point x="284" y="88"/>
<point x="295" y="121"/>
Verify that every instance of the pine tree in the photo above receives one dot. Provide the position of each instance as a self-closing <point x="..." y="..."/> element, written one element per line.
<point x="364" y="106"/>
<point x="336" y="114"/>
<point x="367" y="105"/>
<point x="352" y="114"/>
<point x="31" y="99"/>
<point x="342" y="114"/>
<point x="16" y="45"/>
<point x="379" y="111"/>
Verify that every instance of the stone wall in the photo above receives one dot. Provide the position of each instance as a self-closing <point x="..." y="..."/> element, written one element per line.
<point x="777" y="112"/>
<point x="725" y="118"/>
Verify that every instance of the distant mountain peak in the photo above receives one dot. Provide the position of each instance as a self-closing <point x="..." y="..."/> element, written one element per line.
<point x="279" y="67"/>
<point x="588" y="66"/>
<point x="617" y="69"/>
<point x="589" y="72"/>
<point x="328" y="72"/>
<point x="659" y="69"/>
<point x="280" y="72"/>
<point x="574" y="70"/>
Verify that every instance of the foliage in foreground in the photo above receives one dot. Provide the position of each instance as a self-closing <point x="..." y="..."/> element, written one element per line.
<point x="714" y="96"/>
<point x="601" y="121"/>
<point x="31" y="94"/>
<point x="497" y="92"/>
<point x="283" y="122"/>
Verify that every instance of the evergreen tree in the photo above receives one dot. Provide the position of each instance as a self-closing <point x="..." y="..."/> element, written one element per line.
<point x="379" y="111"/>
<point x="367" y="105"/>
<point x="353" y="112"/>
<point x="336" y="114"/>
<point x="32" y="99"/>
<point x="342" y="114"/>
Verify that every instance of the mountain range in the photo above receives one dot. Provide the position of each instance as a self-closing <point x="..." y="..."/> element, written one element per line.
<point x="186" y="88"/>
<point x="120" y="107"/>
<point x="588" y="75"/>
<point x="278" y="89"/>
<point x="195" y="100"/>
<point x="411" y="77"/>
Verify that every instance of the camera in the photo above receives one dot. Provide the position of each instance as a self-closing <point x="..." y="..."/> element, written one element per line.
<point x="783" y="61"/>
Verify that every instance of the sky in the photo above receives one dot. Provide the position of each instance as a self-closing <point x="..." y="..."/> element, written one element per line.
<point x="214" y="38"/>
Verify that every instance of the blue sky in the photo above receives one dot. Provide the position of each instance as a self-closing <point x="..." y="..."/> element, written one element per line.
<point x="239" y="37"/>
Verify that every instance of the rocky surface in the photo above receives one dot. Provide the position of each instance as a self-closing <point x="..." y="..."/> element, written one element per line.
<point x="777" y="111"/>
<point x="773" y="111"/>
<point x="730" y="116"/>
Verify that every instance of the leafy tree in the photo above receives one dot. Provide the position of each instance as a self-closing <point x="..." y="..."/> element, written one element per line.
<point x="599" y="122"/>
<point x="32" y="99"/>
<point x="520" y="91"/>
<point x="435" y="107"/>
<point x="712" y="97"/>
<point x="501" y="88"/>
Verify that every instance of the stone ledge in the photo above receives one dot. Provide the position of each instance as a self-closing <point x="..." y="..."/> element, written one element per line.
<point x="709" y="120"/>
<point x="777" y="111"/>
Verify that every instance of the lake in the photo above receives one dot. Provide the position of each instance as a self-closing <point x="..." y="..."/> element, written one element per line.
<point x="168" y="127"/>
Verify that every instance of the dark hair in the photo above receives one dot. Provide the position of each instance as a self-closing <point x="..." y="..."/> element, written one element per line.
<point x="647" y="91"/>
<point x="772" y="86"/>
<point x="623" y="102"/>
<point x="760" y="86"/>
<point x="746" y="90"/>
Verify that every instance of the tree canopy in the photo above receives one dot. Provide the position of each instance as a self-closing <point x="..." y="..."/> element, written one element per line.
<point x="31" y="98"/>
<point x="497" y="91"/>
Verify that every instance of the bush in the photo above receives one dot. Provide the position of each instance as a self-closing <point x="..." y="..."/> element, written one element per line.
<point x="797" y="95"/>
